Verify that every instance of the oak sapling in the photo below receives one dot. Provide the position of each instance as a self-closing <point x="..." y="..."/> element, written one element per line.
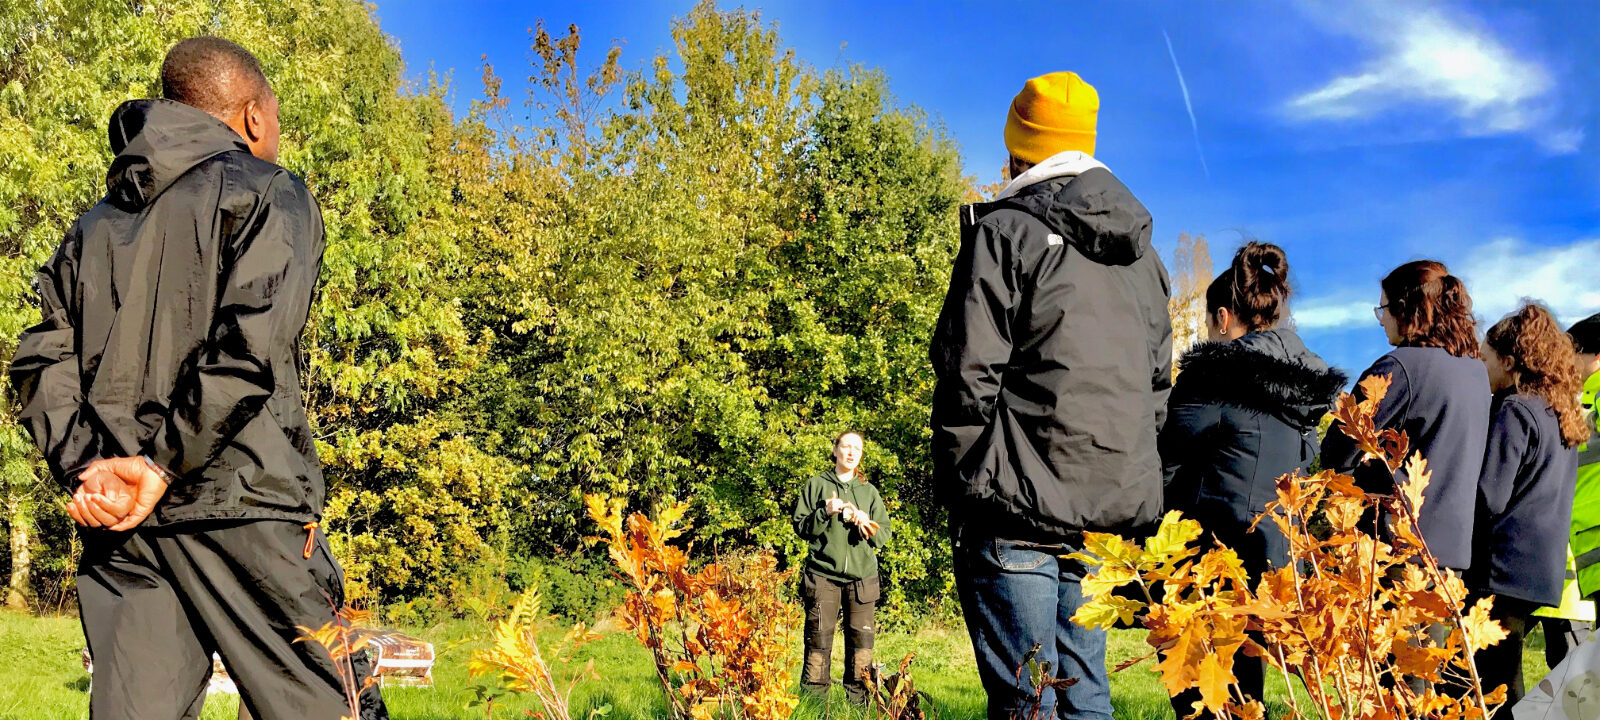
<point x="1350" y="613"/>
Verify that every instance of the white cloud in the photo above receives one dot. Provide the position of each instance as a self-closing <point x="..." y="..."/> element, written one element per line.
<point x="1499" y="275"/>
<point x="1425" y="55"/>
<point x="1333" y="315"/>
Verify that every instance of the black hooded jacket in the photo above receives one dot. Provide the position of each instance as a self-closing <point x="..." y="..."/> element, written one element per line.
<point x="1242" y="414"/>
<point x="172" y="315"/>
<point x="1053" y="355"/>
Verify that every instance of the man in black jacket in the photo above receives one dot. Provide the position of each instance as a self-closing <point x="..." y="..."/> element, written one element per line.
<point x="1053" y="354"/>
<point x="163" y="388"/>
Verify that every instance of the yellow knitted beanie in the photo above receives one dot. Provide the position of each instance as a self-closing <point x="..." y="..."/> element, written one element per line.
<point x="1052" y="114"/>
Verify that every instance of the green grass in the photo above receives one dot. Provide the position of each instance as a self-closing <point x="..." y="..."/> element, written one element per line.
<point x="43" y="677"/>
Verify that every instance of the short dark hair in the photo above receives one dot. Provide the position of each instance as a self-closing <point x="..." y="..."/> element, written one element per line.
<point x="1586" y="335"/>
<point x="212" y="74"/>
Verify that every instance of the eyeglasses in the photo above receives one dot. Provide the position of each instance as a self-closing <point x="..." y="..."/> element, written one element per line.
<point x="1377" y="312"/>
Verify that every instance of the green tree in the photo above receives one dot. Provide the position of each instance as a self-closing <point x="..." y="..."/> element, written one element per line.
<point x="678" y="282"/>
<point x="738" y="260"/>
<point x="413" y="487"/>
<point x="877" y="197"/>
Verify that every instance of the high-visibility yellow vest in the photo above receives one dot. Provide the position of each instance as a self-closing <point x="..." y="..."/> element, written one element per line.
<point x="1573" y="605"/>
<point x="1586" y="499"/>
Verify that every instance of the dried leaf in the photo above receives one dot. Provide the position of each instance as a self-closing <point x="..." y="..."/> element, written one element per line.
<point x="1481" y="629"/>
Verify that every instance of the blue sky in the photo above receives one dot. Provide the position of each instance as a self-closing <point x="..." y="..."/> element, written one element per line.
<point x="1357" y="135"/>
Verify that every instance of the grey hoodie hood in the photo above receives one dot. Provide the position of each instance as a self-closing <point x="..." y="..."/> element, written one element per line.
<point x="156" y="142"/>
<point x="1093" y="211"/>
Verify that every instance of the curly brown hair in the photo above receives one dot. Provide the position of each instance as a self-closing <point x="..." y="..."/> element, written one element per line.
<point x="1539" y="357"/>
<point x="1431" y="308"/>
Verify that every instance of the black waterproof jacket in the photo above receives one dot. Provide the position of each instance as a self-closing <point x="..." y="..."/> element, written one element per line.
<point x="1442" y="403"/>
<point x="1053" y="355"/>
<point x="1242" y="414"/>
<point x="1519" y="546"/>
<point x="172" y="315"/>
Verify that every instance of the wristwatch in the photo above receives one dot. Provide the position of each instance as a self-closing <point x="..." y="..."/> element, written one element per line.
<point x="160" y="469"/>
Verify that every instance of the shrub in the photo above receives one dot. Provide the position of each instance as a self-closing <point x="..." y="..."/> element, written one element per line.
<point x="719" y="635"/>
<point x="1349" y="614"/>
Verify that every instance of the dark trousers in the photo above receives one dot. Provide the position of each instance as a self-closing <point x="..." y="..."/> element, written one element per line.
<point x="824" y="598"/>
<point x="1014" y="596"/>
<point x="1501" y="663"/>
<point x="1561" y="637"/>
<point x="155" y="604"/>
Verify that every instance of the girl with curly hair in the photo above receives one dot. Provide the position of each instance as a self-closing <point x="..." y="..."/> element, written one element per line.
<point x="1438" y="395"/>
<point x="1525" y="491"/>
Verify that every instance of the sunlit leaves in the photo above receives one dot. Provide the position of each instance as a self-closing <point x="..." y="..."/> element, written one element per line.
<point x="519" y="665"/>
<point x="674" y="281"/>
<point x="718" y="635"/>
<point x="1481" y="629"/>
<point x="1105" y="612"/>
<point x="1350" y="613"/>
<point x="341" y="638"/>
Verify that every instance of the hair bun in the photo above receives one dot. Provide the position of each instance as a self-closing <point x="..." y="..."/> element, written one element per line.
<point x="1254" y="287"/>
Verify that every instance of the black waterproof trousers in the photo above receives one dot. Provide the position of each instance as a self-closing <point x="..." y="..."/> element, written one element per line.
<point x="823" y="599"/>
<point x="156" y="603"/>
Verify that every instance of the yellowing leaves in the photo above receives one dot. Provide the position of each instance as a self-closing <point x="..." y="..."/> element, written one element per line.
<point x="1172" y="538"/>
<point x="1106" y="580"/>
<point x="520" y="665"/>
<point x="719" y="635"/>
<point x="1105" y="612"/>
<point x="1416" y="482"/>
<point x="1348" y="613"/>
<point x="1482" y="630"/>
<point x="1110" y="551"/>
<point x="1213" y="679"/>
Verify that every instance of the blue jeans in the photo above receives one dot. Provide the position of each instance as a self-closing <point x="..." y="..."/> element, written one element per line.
<point x="1014" y="595"/>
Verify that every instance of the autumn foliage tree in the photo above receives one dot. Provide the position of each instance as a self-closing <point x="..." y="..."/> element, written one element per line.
<point x="678" y="279"/>
<point x="1191" y="275"/>
<point x="1350" y="614"/>
<point x="520" y="664"/>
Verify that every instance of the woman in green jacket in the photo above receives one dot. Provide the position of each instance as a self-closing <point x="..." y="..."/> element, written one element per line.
<point x="841" y="516"/>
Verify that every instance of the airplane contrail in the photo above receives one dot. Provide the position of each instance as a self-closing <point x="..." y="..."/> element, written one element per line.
<point x="1186" y="104"/>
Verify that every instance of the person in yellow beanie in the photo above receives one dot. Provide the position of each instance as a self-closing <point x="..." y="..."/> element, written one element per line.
<point x="1051" y="123"/>
<point x="1052" y="114"/>
<point x="1053" y="354"/>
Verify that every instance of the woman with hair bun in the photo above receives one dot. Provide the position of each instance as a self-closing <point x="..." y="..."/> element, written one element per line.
<point x="1438" y="395"/>
<point x="1243" y="412"/>
<point x="1519" y="548"/>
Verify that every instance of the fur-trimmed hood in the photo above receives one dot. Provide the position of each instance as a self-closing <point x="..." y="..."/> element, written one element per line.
<point x="1270" y="372"/>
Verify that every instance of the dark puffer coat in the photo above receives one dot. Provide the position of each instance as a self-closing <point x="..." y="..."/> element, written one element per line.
<point x="1242" y="414"/>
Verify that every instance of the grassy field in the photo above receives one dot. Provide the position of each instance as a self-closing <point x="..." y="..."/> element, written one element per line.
<point x="43" y="678"/>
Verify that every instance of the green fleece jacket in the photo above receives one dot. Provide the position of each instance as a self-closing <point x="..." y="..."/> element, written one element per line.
<point x="838" y="550"/>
